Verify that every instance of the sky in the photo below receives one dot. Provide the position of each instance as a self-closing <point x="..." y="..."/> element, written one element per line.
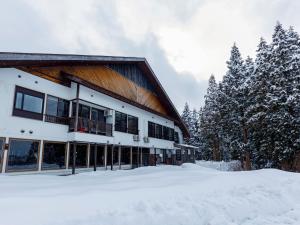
<point x="185" y="41"/>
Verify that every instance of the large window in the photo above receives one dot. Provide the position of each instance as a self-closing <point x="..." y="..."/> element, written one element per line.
<point x="99" y="156"/>
<point x="176" y="137"/>
<point x="125" y="155"/>
<point x="81" y="155"/>
<point x="23" y="155"/>
<point x="28" y="103"/>
<point x="160" y="132"/>
<point x="54" y="156"/>
<point x="133" y="125"/>
<point x="121" y="122"/>
<point x="151" y="129"/>
<point x="57" y="110"/>
<point x="1" y="151"/>
<point x="126" y="123"/>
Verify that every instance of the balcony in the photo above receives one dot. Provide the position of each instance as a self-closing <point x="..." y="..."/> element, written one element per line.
<point x="90" y="126"/>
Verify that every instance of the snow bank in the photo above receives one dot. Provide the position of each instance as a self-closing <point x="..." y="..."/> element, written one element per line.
<point x="223" y="166"/>
<point x="168" y="195"/>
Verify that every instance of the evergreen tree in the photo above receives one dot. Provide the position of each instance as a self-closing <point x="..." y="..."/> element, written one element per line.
<point x="187" y="119"/>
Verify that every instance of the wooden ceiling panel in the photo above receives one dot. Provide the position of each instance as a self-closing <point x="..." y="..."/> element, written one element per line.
<point x="105" y="78"/>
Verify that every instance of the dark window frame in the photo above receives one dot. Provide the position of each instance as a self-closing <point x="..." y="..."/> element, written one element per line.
<point x="151" y="129"/>
<point x="22" y="170"/>
<point x="57" y="119"/>
<point x="125" y="127"/>
<point x="25" y="113"/>
<point x="135" y="129"/>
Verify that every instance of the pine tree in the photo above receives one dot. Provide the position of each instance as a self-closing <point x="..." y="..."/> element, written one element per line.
<point x="187" y="119"/>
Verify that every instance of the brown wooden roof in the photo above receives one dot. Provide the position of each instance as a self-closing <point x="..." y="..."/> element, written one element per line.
<point x="35" y="60"/>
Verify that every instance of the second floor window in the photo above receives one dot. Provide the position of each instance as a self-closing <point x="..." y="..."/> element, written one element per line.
<point x="28" y="103"/>
<point x="121" y="122"/>
<point x="57" y="107"/>
<point x="126" y="123"/>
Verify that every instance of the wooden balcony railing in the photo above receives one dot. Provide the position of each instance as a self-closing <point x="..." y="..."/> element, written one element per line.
<point x="90" y="126"/>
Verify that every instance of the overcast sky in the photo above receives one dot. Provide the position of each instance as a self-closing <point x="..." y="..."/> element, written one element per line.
<point x="184" y="40"/>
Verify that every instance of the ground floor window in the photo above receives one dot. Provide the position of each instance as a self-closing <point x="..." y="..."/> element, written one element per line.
<point x="1" y="152"/>
<point x="23" y="155"/>
<point x="54" y="156"/>
<point x="145" y="156"/>
<point x="99" y="156"/>
<point x="116" y="156"/>
<point x="135" y="157"/>
<point x="125" y="155"/>
<point x="109" y="155"/>
<point x="81" y="155"/>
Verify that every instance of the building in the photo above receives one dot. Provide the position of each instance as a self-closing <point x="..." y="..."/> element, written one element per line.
<point x="111" y="111"/>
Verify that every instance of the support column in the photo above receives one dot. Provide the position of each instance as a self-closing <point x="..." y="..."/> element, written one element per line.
<point x="5" y="155"/>
<point x="41" y="155"/>
<point x="141" y="156"/>
<point x="112" y="157"/>
<point x="67" y="155"/>
<point x="155" y="158"/>
<point x="88" y="155"/>
<point x="131" y="157"/>
<point x="119" y="151"/>
<point x="138" y="157"/>
<point x="105" y="156"/>
<point x="76" y="127"/>
<point x="95" y="157"/>
<point x="74" y="157"/>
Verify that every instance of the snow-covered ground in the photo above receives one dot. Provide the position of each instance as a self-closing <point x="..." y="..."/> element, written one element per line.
<point x="165" y="195"/>
<point x="223" y="166"/>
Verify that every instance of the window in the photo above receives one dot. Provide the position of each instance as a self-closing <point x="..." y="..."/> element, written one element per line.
<point x="133" y="125"/>
<point x="1" y="151"/>
<point x="171" y="134"/>
<point x="23" y="155"/>
<point x="57" y="110"/>
<point x="176" y="137"/>
<point x="28" y="103"/>
<point x="81" y="156"/>
<point x="120" y="122"/>
<point x="165" y="133"/>
<point x="99" y="156"/>
<point x="151" y="129"/>
<point x="54" y="156"/>
<point x="158" y="131"/>
<point x="125" y="156"/>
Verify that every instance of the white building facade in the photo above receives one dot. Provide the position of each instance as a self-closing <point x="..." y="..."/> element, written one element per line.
<point x="43" y="122"/>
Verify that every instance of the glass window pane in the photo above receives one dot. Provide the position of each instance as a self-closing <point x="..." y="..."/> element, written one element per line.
<point x="125" y="156"/>
<point x="100" y="155"/>
<point x="33" y="104"/>
<point x="54" y="156"/>
<point x="52" y="104"/>
<point x="63" y="108"/>
<point x="23" y="155"/>
<point x="81" y="156"/>
<point x="133" y="125"/>
<point x="19" y="99"/>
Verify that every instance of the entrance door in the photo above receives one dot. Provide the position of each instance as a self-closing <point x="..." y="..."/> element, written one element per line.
<point x="145" y="156"/>
<point x="1" y="152"/>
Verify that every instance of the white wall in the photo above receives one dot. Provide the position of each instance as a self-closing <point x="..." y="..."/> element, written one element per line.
<point x="11" y="126"/>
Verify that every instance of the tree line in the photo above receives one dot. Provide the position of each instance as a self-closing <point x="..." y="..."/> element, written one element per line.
<point x="253" y="114"/>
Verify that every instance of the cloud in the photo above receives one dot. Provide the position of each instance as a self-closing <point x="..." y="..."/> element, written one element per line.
<point x="184" y="41"/>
